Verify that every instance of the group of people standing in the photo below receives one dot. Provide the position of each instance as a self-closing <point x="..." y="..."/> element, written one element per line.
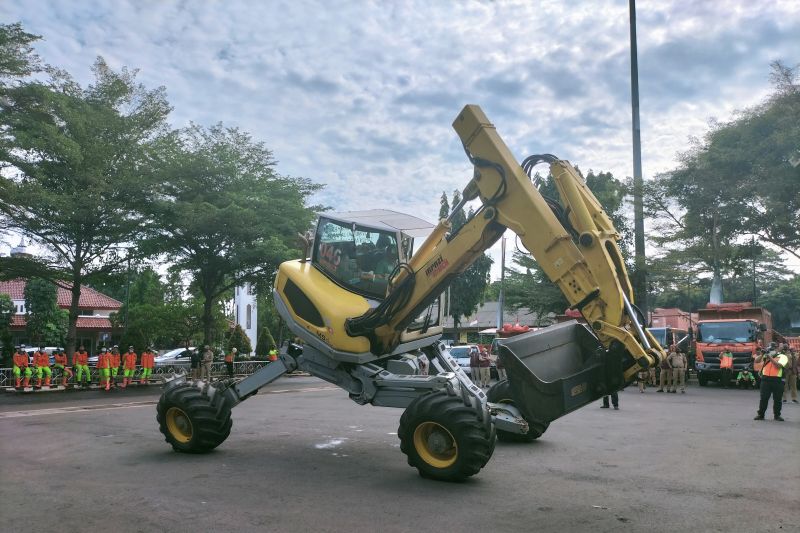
<point x="109" y="364"/>
<point x="480" y="367"/>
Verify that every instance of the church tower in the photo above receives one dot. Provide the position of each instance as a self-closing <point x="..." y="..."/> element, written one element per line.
<point x="244" y="300"/>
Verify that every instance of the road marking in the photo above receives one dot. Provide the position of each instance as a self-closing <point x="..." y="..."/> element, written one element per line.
<point x="125" y="405"/>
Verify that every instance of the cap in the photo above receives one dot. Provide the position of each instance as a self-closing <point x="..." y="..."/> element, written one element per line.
<point x="130" y="347"/>
<point x="234" y="350"/>
<point x="206" y="346"/>
<point x="116" y="346"/>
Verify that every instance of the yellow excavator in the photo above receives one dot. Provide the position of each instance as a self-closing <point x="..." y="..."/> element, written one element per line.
<point x="367" y="308"/>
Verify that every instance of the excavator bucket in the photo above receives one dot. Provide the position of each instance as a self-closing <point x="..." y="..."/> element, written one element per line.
<point x="558" y="369"/>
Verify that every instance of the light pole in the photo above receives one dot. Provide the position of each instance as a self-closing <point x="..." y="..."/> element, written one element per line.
<point x="640" y="281"/>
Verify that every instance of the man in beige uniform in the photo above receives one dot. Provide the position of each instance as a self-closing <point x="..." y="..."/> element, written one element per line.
<point x="791" y="371"/>
<point x="677" y="360"/>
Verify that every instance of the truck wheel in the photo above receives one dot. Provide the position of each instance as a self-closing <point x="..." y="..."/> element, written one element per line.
<point x="445" y="439"/>
<point x="501" y="393"/>
<point x="702" y="379"/>
<point x="189" y="422"/>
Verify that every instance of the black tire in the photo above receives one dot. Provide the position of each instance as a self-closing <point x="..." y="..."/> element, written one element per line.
<point x="189" y="422"/>
<point x="702" y="379"/>
<point x="445" y="438"/>
<point x="500" y="392"/>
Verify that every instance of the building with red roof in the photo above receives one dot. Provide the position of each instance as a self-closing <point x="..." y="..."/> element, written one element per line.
<point x="94" y="309"/>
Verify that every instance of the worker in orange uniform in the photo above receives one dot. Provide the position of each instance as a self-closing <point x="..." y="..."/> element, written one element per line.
<point x="229" y="361"/>
<point x="41" y="360"/>
<point x="21" y="367"/>
<point x="726" y="368"/>
<point x="116" y="361"/>
<point x="128" y="366"/>
<point x="148" y="362"/>
<point x="80" y="361"/>
<point x="104" y="368"/>
<point x="63" y="365"/>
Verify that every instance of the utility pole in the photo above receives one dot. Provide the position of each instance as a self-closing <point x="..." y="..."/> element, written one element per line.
<point x="640" y="280"/>
<point x="502" y="299"/>
<point x="755" y="292"/>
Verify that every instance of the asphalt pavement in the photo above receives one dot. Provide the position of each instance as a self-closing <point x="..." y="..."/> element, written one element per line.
<point x="303" y="457"/>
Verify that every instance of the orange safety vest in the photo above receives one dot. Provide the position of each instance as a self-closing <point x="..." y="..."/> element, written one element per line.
<point x="80" y="358"/>
<point x="61" y="359"/>
<point x="114" y="358"/>
<point x="21" y="359"/>
<point x="725" y="361"/>
<point x="771" y="370"/>
<point x="104" y="360"/>
<point x="229" y="358"/>
<point x="130" y="361"/>
<point x="148" y="359"/>
<point x="41" y="359"/>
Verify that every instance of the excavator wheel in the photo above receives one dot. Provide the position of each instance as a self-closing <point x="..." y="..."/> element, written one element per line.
<point x="190" y="423"/>
<point x="501" y="393"/>
<point x="444" y="438"/>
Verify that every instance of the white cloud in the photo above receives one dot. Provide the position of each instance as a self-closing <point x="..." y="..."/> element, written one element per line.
<point x="361" y="95"/>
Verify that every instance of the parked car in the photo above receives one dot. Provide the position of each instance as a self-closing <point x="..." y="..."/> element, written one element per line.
<point x="176" y="356"/>
<point x="462" y="355"/>
<point x="49" y="349"/>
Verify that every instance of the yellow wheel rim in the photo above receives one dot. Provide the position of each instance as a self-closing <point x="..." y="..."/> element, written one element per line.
<point x="435" y="445"/>
<point x="179" y="425"/>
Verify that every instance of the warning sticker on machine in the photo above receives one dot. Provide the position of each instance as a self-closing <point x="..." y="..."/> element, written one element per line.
<point x="436" y="268"/>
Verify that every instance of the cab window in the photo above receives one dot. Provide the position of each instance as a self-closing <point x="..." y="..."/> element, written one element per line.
<point x="359" y="258"/>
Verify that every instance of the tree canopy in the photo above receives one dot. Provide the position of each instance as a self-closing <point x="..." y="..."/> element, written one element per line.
<point x="223" y="214"/>
<point x="80" y="167"/>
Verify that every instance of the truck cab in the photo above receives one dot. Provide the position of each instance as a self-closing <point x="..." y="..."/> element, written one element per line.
<point x="740" y="336"/>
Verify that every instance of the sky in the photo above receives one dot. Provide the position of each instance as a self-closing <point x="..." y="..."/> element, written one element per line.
<point x="360" y="95"/>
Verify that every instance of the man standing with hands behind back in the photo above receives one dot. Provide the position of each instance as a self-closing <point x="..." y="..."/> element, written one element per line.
<point x="771" y="383"/>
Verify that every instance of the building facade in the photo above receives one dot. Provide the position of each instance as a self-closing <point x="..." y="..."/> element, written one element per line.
<point x="94" y="309"/>
<point x="244" y="301"/>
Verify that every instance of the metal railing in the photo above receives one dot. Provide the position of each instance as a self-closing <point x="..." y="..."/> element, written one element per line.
<point x="218" y="369"/>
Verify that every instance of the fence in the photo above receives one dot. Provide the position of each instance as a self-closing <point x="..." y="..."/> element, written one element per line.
<point x="240" y="368"/>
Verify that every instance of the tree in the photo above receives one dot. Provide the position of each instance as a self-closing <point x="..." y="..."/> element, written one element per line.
<point x="17" y="57"/>
<point x="467" y="289"/>
<point x="265" y="342"/>
<point x="45" y="322"/>
<point x="223" y="214"/>
<point x="737" y="182"/>
<point x="240" y="341"/>
<point x="444" y="207"/>
<point x="82" y="162"/>
<point x="7" y="310"/>
<point x="783" y="300"/>
<point x="527" y="285"/>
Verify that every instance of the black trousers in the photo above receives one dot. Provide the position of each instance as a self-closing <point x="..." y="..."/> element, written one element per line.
<point x="615" y="399"/>
<point x="229" y="366"/>
<point x="771" y="386"/>
<point x="725" y="377"/>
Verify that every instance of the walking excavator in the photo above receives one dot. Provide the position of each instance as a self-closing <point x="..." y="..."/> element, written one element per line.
<point x="367" y="309"/>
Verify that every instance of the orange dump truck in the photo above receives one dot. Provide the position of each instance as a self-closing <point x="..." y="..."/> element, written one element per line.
<point x="738" y="327"/>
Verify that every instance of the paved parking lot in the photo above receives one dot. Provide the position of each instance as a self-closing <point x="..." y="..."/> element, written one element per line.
<point x="303" y="457"/>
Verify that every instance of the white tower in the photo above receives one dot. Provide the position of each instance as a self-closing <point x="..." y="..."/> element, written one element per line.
<point x="244" y="300"/>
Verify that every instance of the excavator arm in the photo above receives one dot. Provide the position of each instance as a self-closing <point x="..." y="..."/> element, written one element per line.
<point x="575" y="244"/>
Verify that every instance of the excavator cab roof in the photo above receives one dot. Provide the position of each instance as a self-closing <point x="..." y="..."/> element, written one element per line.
<point x="359" y="250"/>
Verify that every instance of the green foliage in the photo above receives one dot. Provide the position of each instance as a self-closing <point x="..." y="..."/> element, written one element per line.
<point x="527" y="285"/>
<point x="783" y="300"/>
<point x="81" y="163"/>
<point x="223" y="214"/>
<point x="444" y="207"/>
<point x="265" y="342"/>
<point x="45" y="322"/>
<point x="734" y="183"/>
<point x="17" y="57"/>
<point x="7" y="310"/>
<point x="467" y="289"/>
<point x="240" y="341"/>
